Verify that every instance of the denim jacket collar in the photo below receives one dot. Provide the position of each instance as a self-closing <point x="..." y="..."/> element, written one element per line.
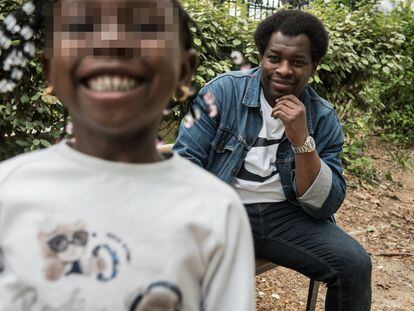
<point x="305" y="98"/>
<point x="252" y="97"/>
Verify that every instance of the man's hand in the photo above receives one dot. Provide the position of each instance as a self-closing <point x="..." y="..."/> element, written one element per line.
<point x="292" y="112"/>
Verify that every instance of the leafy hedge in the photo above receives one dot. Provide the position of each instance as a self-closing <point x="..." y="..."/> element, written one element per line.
<point x="367" y="74"/>
<point x="28" y="119"/>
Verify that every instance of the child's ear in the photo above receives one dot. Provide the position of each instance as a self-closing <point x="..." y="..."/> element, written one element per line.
<point x="188" y="66"/>
<point x="46" y="68"/>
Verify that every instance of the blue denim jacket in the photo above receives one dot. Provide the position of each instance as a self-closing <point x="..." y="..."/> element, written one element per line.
<point x="220" y="144"/>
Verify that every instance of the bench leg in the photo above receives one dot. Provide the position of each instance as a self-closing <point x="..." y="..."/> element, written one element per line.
<point x="312" y="295"/>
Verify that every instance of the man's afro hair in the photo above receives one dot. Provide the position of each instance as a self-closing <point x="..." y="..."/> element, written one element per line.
<point x="293" y="23"/>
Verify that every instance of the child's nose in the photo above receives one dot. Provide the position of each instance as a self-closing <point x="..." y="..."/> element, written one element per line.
<point x="109" y="32"/>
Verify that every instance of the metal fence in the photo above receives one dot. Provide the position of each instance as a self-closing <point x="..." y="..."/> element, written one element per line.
<point x="259" y="9"/>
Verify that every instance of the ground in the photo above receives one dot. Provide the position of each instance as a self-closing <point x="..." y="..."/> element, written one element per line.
<point x="381" y="218"/>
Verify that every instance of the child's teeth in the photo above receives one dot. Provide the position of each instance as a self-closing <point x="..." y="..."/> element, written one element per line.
<point x="132" y="83"/>
<point x="107" y="83"/>
<point x="92" y="84"/>
<point x="124" y="84"/>
<point x="111" y="84"/>
<point x="116" y="82"/>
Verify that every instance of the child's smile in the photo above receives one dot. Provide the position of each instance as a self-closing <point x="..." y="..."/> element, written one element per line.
<point x="111" y="83"/>
<point x="112" y="80"/>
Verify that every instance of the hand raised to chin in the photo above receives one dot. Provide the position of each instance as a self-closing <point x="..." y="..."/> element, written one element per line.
<point x="292" y="112"/>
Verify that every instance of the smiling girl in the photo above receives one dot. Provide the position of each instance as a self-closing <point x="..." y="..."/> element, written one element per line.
<point x="104" y="222"/>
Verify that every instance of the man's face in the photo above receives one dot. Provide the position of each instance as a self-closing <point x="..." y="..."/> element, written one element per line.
<point x="286" y="66"/>
<point x="115" y="64"/>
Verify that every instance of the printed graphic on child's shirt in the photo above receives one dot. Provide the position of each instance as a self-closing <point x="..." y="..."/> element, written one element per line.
<point x="159" y="296"/>
<point x="28" y="300"/>
<point x="72" y="250"/>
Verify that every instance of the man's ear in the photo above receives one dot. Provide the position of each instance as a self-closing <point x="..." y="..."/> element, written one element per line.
<point x="188" y="66"/>
<point x="260" y="60"/>
<point x="314" y="67"/>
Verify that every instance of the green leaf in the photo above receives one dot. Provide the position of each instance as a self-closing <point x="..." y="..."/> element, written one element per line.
<point x="24" y="99"/>
<point x="325" y="67"/>
<point x="210" y="72"/>
<point x="317" y="79"/>
<point x="236" y="42"/>
<point x="197" y="42"/>
<point x="44" y="143"/>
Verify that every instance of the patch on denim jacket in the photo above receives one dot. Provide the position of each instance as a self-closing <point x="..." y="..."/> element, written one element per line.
<point x="224" y="140"/>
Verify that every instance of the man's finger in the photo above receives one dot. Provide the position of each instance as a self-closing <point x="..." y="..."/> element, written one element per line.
<point x="281" y="115"/>
<point x="287" y="103"/>
<point x="286" y="111"/>
<point x="288" y="108"/>
<point x="291" y="98"/>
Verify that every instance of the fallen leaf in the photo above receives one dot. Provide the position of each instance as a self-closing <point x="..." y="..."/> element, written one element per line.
<point x="397" y="214"/>
<point x="370" y="229"/>
<point x="396" y="225"/>
<point x="376" y="201"/>
<point x="361" y="195"/>
<point x="276" y="296"/>
<point x="393" y="197"/>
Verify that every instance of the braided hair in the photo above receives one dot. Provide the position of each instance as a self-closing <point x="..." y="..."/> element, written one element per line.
<point x="22" y="26"/>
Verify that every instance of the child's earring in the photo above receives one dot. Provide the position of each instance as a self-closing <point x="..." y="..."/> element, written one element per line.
<point x="183" y="94"/>
<point x="67" y="129"/>
<point x="49" y="91"/>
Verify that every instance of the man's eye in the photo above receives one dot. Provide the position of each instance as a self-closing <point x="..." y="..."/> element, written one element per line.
<point x="299" y="63"/>
<point x="83" y="27"/>
<point x="274" y="59"/>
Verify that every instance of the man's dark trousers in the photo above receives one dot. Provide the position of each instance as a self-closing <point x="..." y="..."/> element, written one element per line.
<point x="285" y="235"/>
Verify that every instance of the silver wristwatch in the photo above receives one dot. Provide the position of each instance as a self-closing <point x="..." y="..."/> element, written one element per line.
<point x="308" y="146"/>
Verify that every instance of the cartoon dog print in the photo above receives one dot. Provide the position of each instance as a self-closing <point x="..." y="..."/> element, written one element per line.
<point x="64" y="251"/>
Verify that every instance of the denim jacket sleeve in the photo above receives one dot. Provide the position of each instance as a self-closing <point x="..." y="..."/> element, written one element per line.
<point x="327" y="193"/>
<point x="194" y="143"/>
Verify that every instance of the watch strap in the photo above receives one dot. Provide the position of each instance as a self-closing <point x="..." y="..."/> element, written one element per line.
<point x="308" y="146"/>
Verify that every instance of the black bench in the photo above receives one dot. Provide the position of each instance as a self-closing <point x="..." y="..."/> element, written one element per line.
<point x="263" y="266"/>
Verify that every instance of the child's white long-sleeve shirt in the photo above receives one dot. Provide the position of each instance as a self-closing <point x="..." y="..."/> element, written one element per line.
<point x="81" y="233"/>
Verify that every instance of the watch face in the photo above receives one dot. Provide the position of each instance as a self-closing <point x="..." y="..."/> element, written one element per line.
<point x="311" y="142"/>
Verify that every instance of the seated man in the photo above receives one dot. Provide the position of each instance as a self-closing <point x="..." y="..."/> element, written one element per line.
<point x="278" y="143"/>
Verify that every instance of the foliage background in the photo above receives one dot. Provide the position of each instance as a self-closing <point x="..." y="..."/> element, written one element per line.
<point x="367" y="74"/>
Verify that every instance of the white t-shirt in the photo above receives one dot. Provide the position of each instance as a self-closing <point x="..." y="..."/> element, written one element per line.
<point x="258" y="180"/>
<point x="81" y="233"/>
